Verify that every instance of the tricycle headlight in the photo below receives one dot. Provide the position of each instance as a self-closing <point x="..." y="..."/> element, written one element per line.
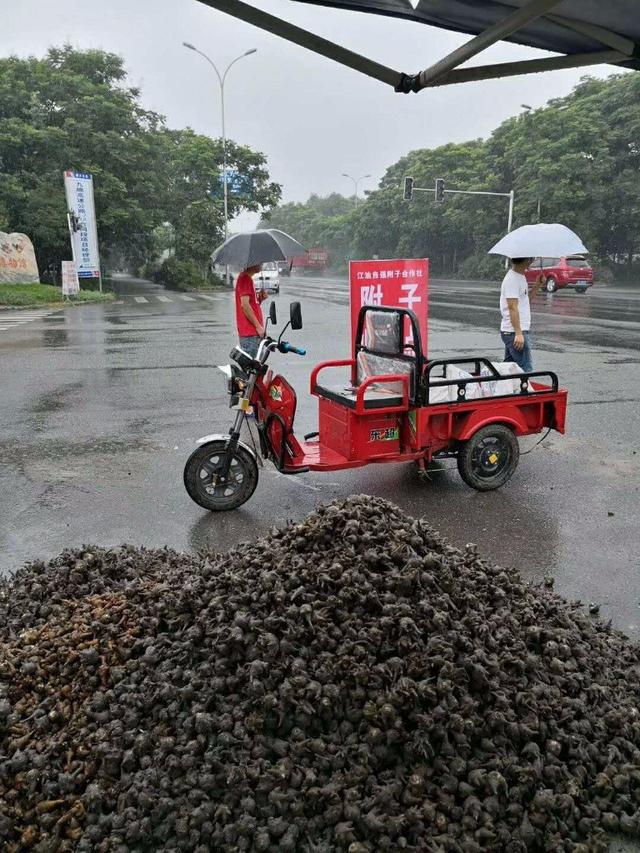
<point x="226" y="377"/>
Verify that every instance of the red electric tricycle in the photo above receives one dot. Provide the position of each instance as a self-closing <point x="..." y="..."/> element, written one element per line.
<point x="393" y="405"/>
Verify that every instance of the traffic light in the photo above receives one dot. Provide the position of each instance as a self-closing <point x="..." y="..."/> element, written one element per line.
<point x="408" y="189"/>
<point x="440" y="189"/>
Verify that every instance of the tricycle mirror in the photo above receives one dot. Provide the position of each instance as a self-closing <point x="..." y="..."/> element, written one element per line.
<point x="272" y="314"/>
<point x="295" y="314"/>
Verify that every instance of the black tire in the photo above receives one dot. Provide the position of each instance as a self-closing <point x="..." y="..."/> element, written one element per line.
<point x="476" y="464"/>
<point x="581" y="289"/>
<point x="199" y="471"/>
<point x="551" y="285"/>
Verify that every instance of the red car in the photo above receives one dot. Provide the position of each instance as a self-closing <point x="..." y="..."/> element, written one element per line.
<point x="562" y="272"/>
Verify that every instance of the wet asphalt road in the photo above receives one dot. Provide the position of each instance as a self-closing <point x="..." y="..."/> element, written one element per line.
<point x="101" y="406"/>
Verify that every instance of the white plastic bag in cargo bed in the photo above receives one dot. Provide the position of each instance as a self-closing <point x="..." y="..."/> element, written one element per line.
<point x="496" y="388"/>
<point x="475" y="390"/>
<point x="449" y="393"/>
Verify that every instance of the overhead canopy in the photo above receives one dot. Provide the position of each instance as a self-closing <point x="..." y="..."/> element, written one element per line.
<point x="584" y="32"/>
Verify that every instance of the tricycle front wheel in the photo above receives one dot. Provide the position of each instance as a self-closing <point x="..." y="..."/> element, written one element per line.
<point x="202" y="471"/>
<point x="488" y="459"/>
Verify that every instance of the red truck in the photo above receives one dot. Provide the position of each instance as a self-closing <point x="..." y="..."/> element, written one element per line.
<point x="313" y="261"/>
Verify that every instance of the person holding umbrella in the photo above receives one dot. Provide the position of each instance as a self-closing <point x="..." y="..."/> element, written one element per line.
<point x="249" y="319"/>
<point x="516" y="313"/>
<point x="522" y="246"/>
<point x="249" y="251"/>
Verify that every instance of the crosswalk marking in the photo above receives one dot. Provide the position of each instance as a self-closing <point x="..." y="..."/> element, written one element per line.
<point x="193" y="296"/>
<point x="128" y="298"/>
<point x="9" y="319"/>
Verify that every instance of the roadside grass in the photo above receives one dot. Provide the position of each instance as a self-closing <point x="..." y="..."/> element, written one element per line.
<point x="37" y="295"/>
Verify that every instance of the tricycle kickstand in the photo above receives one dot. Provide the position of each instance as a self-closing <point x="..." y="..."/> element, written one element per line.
<point x="423" y="470"/>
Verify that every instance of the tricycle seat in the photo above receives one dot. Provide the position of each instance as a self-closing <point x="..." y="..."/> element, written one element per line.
<point x="374" y="398"/>
<point x="385" y="374"/>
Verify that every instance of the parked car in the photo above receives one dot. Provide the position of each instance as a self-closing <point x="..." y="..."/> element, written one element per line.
<point x="284" y="268"/>
<point x="268" y="278"/>
<point x="573" y="272"/>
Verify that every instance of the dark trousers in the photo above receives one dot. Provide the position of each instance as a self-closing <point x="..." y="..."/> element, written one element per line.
<point x="522" y="357"/>
<point x="250" y="344"/>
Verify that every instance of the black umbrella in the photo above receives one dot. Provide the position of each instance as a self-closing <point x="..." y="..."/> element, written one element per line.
<point x="256" y="247"/>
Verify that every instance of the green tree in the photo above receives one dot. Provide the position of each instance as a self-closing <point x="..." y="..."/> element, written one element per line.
<point x="577" y="160"/>
<point x="325" y="221"/>
<point x="70" y="110"/>
<point x="73" y="110"/>
<point x="194" y="192"/>
<point x="446" y="233"/>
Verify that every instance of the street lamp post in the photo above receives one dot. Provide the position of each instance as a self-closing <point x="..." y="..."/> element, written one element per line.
<point x="356" y="181"/>
<point x="528" y="109"/>
<point x="221" y="80"/>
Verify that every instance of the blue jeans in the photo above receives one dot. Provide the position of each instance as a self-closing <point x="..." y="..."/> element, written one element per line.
<point x="522" y="357"/>
<point x="250" y="345"/>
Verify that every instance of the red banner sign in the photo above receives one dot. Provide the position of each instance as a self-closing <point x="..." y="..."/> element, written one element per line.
<point x="395" y="284"/>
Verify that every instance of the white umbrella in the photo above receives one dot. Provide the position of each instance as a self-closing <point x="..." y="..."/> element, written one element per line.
<point x="531" y="241"/>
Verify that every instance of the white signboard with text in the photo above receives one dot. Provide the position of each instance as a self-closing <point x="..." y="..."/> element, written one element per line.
<point x="78" y="188"/>
<point x="70" y="283"/>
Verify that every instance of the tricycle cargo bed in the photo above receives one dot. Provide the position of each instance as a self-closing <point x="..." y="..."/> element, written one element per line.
<point x="525" y="413"/>
<point x="362" y="421"/>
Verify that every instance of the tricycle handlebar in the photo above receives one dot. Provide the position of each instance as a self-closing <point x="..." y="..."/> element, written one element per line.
<point x="284" y="346"/>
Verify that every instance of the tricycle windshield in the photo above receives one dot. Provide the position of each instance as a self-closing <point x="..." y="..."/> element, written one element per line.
<point x="381" y="332"/>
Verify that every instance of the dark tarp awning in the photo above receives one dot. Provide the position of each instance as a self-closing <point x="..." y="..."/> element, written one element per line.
<point x="584" y="32"/>
<point x="474" y="16"/>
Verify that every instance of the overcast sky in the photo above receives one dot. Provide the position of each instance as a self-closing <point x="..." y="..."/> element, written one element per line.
<point x="313" y="118"/>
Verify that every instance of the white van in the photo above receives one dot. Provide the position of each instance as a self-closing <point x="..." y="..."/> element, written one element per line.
<point x="268" y="278"/>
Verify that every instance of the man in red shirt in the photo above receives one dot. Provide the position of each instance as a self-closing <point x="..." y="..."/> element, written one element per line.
<point x="249" y="318"/>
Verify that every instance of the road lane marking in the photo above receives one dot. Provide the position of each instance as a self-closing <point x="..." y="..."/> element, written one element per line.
<point x="164" y="298"/>
<point x="140" y="299"/>
<point x="18" y="318"/>
<point x="211" y="298"/>
<point x="187" y="298"/>
<point x="574" y="319"/>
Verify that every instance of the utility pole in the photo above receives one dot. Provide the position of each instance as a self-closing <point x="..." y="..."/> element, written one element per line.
<point x="221" y="80"/>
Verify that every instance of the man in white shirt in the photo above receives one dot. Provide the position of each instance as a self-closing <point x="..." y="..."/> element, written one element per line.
<point x="516" y="313"/>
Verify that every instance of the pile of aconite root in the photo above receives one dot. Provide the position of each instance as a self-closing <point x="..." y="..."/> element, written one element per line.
<point x="350" y="683"/>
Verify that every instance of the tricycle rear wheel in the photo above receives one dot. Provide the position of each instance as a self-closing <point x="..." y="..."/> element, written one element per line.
<point x="488" y="459"/>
